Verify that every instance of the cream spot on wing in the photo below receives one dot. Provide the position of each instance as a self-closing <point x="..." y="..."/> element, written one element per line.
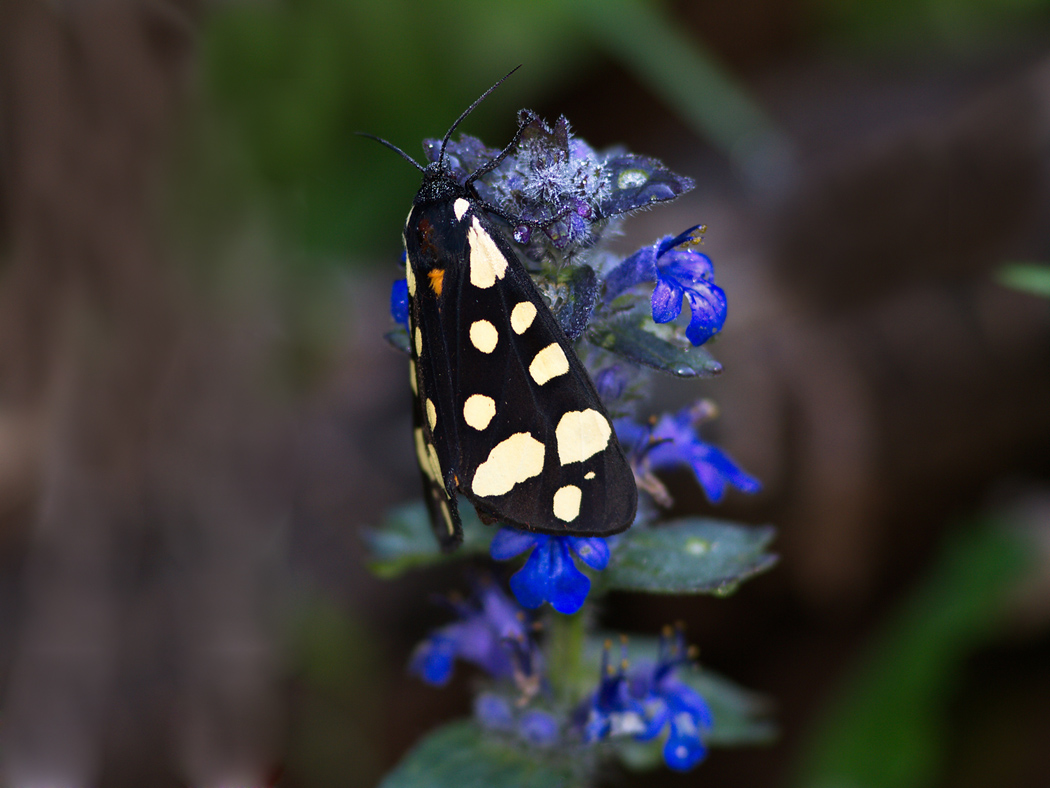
<point x="448" y="518"/>
<point x="412" y="376"/>
<point x="432" y="415"/>
<point x="567" y="503"/>
<point x="478" y="411"/>
<point x="589" y="475"/>
<point x="460" y="207"/>
<point x="419" y="341"/>
<point x="435" y="466"/>
<point x="487" y="263"/>
<point x="548" y="363"/>
<point x="421" y="454"/>
<point x="411" y="277"/>
<point x="581" y="434"/>
<point x="510" y="462"/>
<point x="521" y="317"/>
<point x="483" y="336"/>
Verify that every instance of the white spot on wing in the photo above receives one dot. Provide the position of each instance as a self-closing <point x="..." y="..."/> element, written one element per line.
<point x="411" y="277"/>
<point x="521" y="316"/>
<point x="510" y="462"/>
<point x="487" y="263"/>
<point x="432" y="415"/>
<point x="460" y="207"/>
<point x="412" y="377"/>
<point x="581" y="434"/>
<point x="448" y="518"/>
<point x="567" y="503"/>
<point x="548" y="363"/>
<point x="419" y="341"/>
<point x="589" y="475"/>
<point x="478" y="411"/>
<point x="421" y="454"/>
<point x="483" y="336"/>
<point x="435" y="465"/>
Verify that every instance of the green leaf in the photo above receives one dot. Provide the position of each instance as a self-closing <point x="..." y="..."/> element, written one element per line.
<point x="398" y="338"/>
<point x="690" y="556"/>
<point x="461" y="755"/>
<point x="404" y="540"/>
<point x="641" y="341"/>
<point x="1029" y="277"/>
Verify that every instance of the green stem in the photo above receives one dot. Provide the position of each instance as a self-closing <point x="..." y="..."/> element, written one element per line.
<point x="565" y="654"/>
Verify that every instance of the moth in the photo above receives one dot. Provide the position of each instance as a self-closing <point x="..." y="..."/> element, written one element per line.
<point x="504" y="412"/>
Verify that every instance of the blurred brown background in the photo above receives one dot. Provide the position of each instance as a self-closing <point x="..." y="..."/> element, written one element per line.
<point x="198" y="413"/>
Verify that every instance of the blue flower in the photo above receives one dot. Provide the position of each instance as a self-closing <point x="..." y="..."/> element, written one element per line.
<point x="611" y="711"/>
<point x="491" y="633"/>
<point x="679" y="272"/>
<point x="536" y="727"/>
<point x="550" y="574"/>
<point x="674" y="441"/>
<point x="671" y="703"/>
<point x="399" y="302"/>
<point x="646" y="700"/>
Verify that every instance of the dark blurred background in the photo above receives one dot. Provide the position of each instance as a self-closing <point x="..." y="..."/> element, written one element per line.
<point x="198" y="413"/>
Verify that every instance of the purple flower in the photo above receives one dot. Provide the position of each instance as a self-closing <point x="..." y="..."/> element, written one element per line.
<point x="399" y="302"/>
<point x="670" y="702"/>
<point x="679" y="272"/>
<point x="674" y="441"/>
<point x="491" y="633"/>
<point x="550" y="574"/>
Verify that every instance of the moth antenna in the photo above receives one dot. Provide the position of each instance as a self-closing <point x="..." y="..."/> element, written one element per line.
<point x="468" y="110"/>
<point x="392" y="147"/>
<point x="524" y="120"/>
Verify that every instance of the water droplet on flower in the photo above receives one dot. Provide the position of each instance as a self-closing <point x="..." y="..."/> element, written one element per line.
<point x="632" y="179"/>
<point x="685" y="371"/>
<point x="522" y="234"/>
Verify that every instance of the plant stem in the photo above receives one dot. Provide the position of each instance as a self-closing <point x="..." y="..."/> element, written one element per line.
<point x="565" y="653"/>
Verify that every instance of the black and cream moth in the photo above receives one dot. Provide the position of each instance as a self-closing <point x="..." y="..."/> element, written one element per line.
<point x="504" y="411"/>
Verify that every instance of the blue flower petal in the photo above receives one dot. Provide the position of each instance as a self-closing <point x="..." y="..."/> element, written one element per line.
<point x="510" y="542"/>
<point x="432" y="660"/>
<point x="666" y="300"/>
<point x="532" y="584"/>
<point x="683" y="749"/>
<point x="708" y="308"/>
<point x="673" y="442"/>
<point x="538" y="728"/>
<point x="715" y="470"/>
<point x="493" y="712"/>
<point x="399" y="302"/>
<point x="501" y="614"/>
<point x="639" y="267"/>
<point x="681" y="697"/>
<point x="569" y="586"/>
<point x="593" y="551"/>
<point x="610" y="382"/>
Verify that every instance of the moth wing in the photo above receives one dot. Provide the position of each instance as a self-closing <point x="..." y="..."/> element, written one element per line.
<point x="435" y="429"/>
<point x="536" y="446"/>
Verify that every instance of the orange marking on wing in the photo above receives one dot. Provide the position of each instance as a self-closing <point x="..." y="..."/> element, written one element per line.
<point x="437" y="278"/>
